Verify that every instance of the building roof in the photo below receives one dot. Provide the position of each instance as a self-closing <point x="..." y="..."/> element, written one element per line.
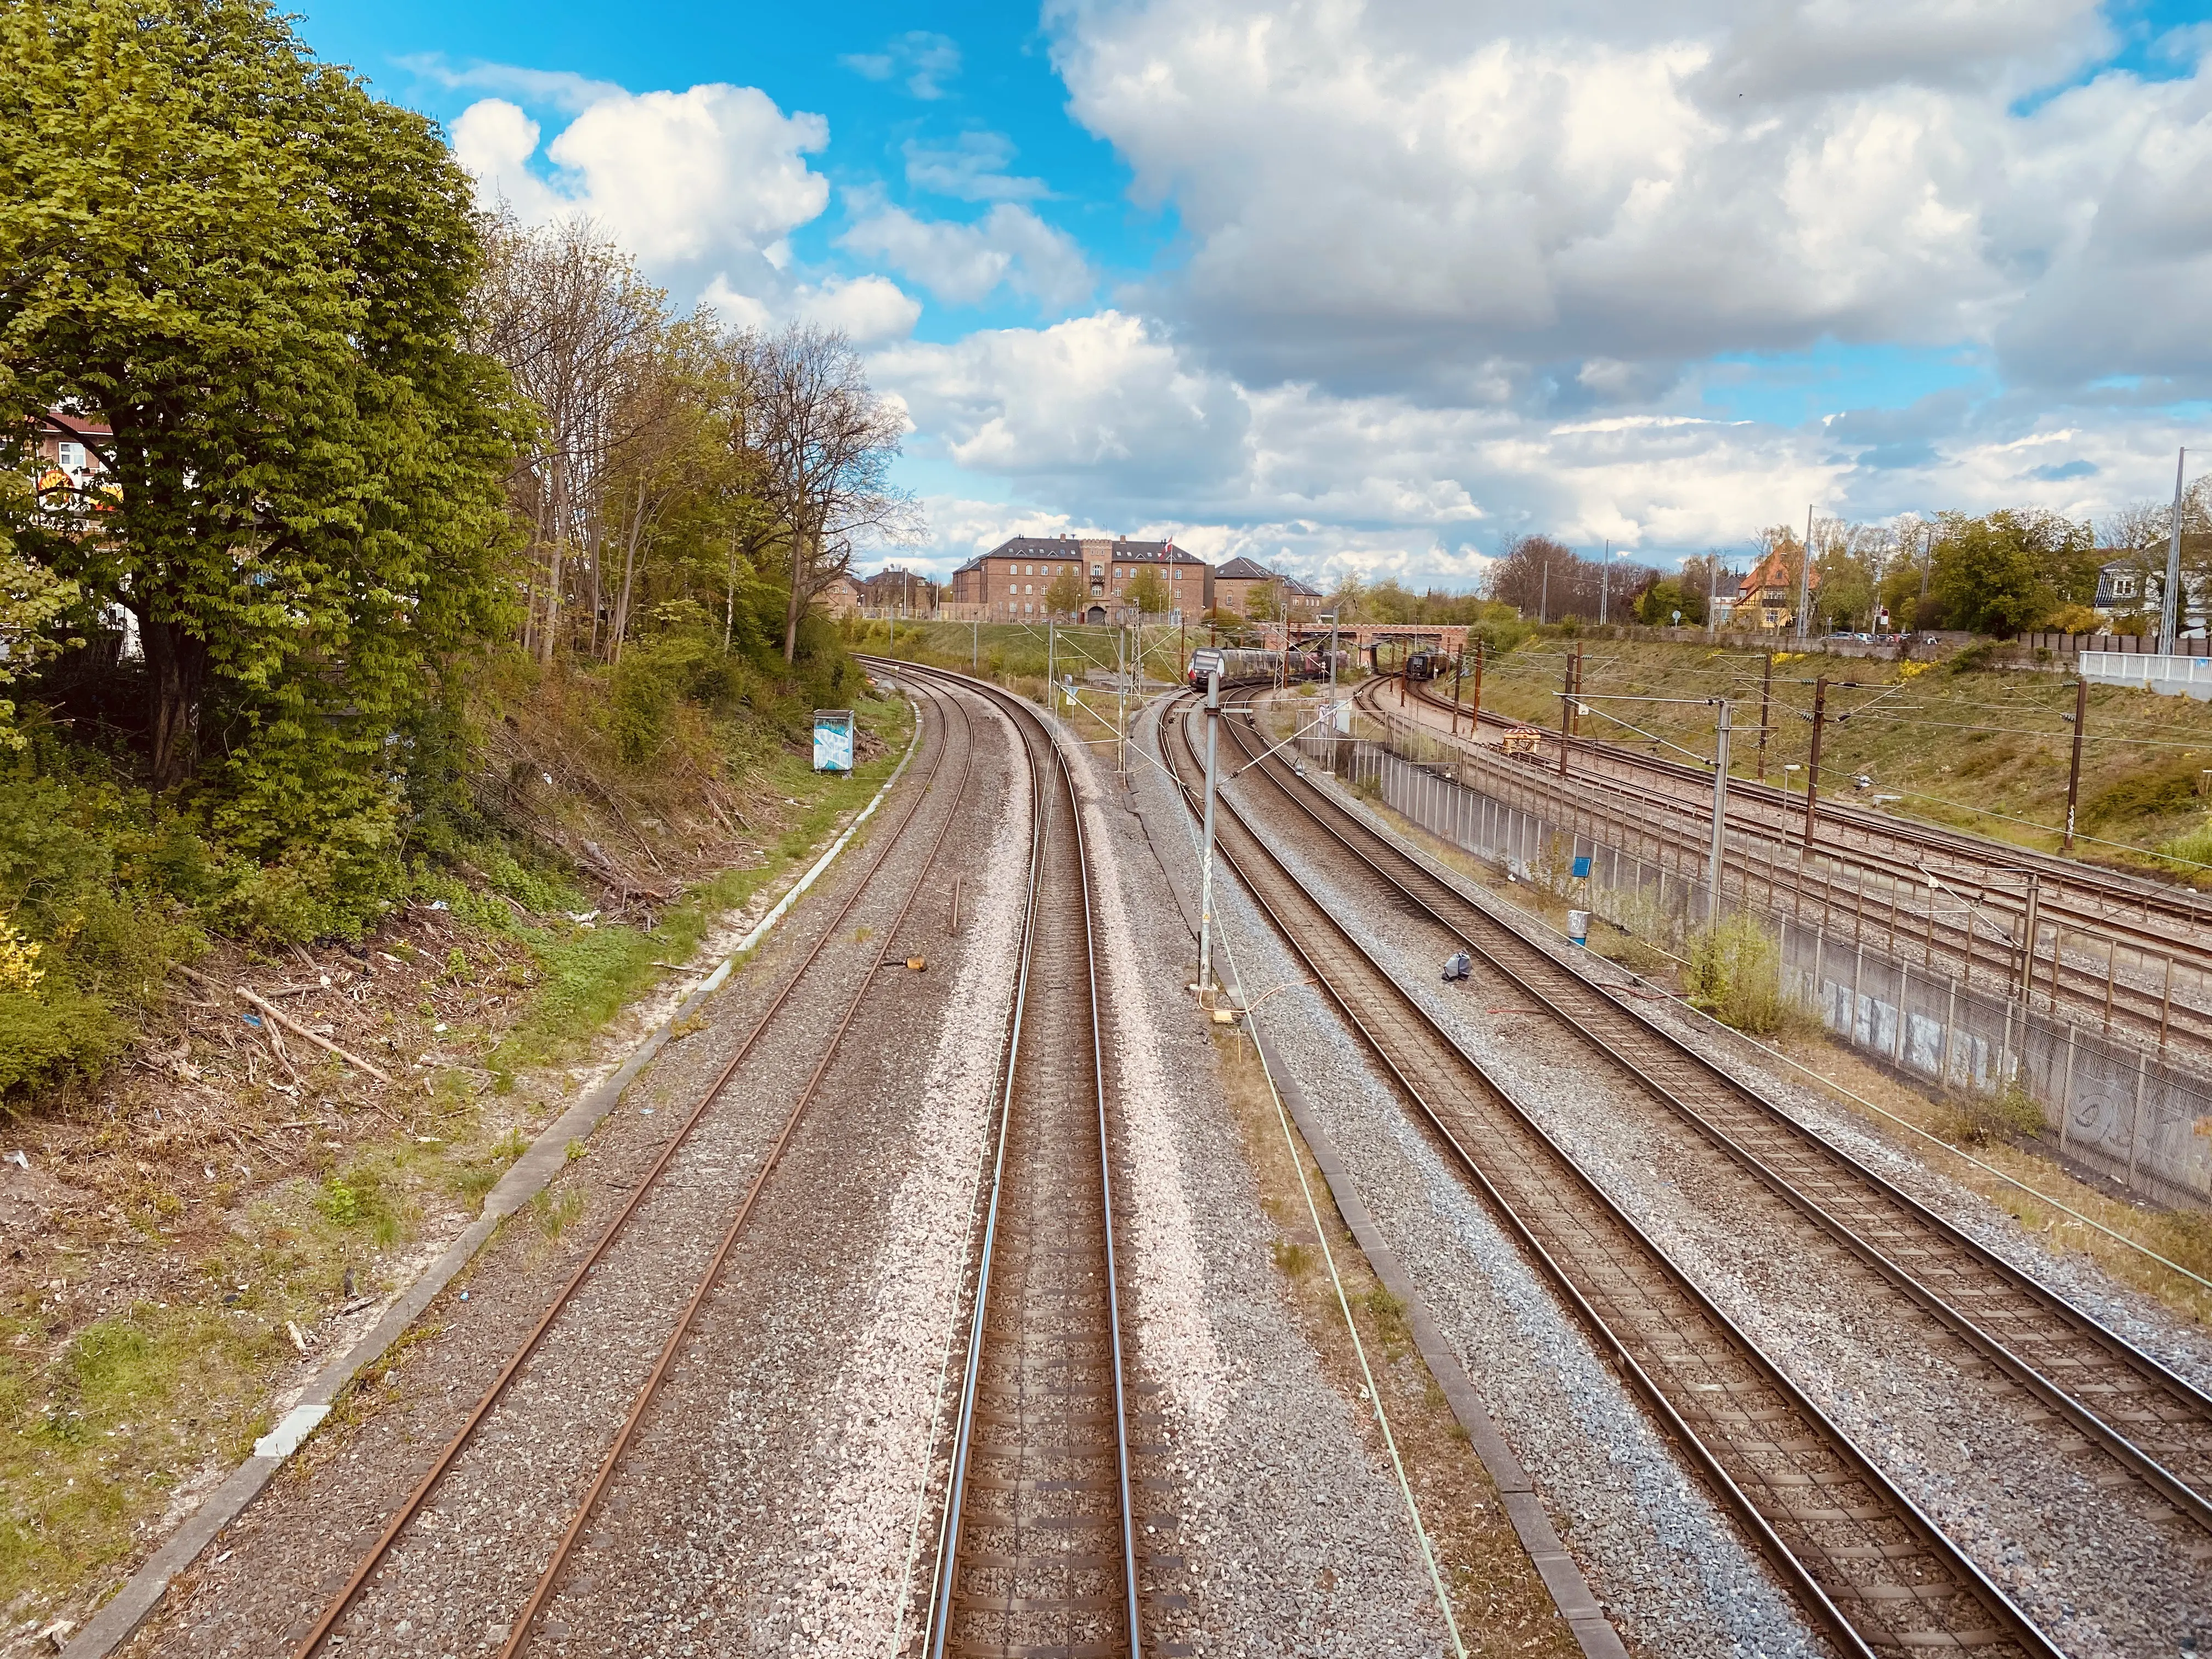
<point x="76" y="426"/>
<point x="1241" y="569"/>
<point x="1071" y="547"/>
<point x="1777" y="570"/>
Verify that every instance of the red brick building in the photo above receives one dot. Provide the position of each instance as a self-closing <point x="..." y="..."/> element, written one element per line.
<point x="1008" y="583"/>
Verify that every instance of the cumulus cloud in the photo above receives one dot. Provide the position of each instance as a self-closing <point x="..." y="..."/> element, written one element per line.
<point x="1461" y="198"/>
<point x="966" y="264"/>
<point x="705" y="181"/>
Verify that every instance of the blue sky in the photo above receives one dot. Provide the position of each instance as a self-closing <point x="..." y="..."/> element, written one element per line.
<point x="1374" y="289"/>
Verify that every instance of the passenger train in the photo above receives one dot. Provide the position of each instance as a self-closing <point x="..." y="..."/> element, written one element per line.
<point x="1237" y="665"/>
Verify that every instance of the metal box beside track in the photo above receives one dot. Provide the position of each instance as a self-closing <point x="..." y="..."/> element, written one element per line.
<point x="833" y="739"/>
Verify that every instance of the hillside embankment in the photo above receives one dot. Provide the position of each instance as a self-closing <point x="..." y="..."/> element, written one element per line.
<point x="1959" y="741"/>
<point x="254" y="1138"/>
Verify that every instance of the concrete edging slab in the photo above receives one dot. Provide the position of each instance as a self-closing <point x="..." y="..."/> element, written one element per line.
<point x="121" y="1615"/>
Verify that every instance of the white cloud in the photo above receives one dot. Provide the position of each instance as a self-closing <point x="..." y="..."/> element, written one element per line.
<point x="868" y="310"/>
<point x="1403" y="194"/>
<point x="965" y="265"/>
<point x="926" y="60"/>
<point x="560" y="89"/>
<point x="695" y="183"/>
<point x="971" y="168"/>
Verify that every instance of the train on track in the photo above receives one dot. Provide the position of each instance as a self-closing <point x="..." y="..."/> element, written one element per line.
<point x="1429" y="665"/>
<point x="1236" y="663"/>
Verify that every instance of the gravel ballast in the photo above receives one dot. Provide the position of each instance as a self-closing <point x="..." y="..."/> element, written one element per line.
<point x="2096" y="1560"/>
<point x="1669" y="1568"/>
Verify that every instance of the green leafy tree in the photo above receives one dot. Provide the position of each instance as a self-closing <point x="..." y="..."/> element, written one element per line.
<point x="257" y="274"/>
<point x="1661" y="601"/>
<point x="1146" y="591"/>
<point x="2006" y="571"/>
<point x="1067" y="593"/>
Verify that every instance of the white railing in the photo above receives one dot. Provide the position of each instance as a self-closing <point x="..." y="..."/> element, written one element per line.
<point x="2172" y="676"/>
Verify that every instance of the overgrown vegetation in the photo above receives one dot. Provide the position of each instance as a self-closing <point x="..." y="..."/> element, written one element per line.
<point x="1734" y="974"/>
<point x="412" y="548"/>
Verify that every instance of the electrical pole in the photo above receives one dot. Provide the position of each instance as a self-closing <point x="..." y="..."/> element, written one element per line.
<point x="1805" y="581"/>
<point x="2073" y="772"/>
<point x="2170" y="613"/>
<point x="1051" y="680"/>
<point x="1566" y="706"/>
<point x="1712" y="596"/>
<point x="1604" y="581"/>
<point x="1544" y="596"/>
<point x="1459" y="667"/>
<point x="975" y="643"/>
<point x="1720" y="815"/>
<point x="1765" y="691"/>
<point x="1812" y="760"/>
<point x="1206" y="857"/>
<point x="1474" y="717"/>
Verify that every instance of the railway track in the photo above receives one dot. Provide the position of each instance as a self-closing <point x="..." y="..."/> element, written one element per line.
<point x="1038" y="1550"/>
<point x="565" y="1317"/>
<point x="1866" y="1565"/>
<point x="2143" y="1001"/>
<point x="2153" y="1423"/>
<point x="2104" y="897"/>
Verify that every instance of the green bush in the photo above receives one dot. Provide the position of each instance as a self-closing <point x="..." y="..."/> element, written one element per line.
<point x="1736" y="976"/>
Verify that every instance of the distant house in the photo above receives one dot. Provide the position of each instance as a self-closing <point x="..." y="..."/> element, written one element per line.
<point x="1767" y="596"/>
<point x="840" y="598"/>
<point x="2130" y="582"/>
<point x="1236" y="582"/>
<point x="895" y="590"/>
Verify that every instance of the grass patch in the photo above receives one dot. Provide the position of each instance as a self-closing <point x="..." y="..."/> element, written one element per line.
<point x="589" y="974"/>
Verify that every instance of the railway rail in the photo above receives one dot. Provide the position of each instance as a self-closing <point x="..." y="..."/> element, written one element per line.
<point x="2155" y="1423"/>
<point x="956" y="745"/>
<point x="2150" y="1001"/>
<point x="1866" y="1565"/>
<point x="2100" y="897"/>
<point x="1038" y="1541"/>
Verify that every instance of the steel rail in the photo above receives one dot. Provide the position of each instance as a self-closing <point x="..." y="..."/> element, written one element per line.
<point x="1622" y="1036"/>
<point x="944" y="1592"/>
<point x="335" y="1609"/>
<point x="1674" y="1310"/>
<point x="2088" y="880"/>
<point x="2136" y="1005"/>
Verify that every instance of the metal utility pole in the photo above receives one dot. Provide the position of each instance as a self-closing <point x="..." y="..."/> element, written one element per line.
<point x="975" y="644"/>
<point x="2030" y="926"/>
<point x="1720" y="814"/>
<point x="1459" y="667"/>
<point x="2073" y="771"/>
<point x="1567" y="707"/>
<point x="1812" y="760"/>
<point x="2170" y="616"/>
<point x="1332" y="656"/>
<point x="1474" y="716"/>
<point x="1051" y="679"/>
<point x="1604" y="581"/>
<point x="1544" y="596"/>
<point x="1805" y="580"/>
<point x="1712" y="596"/>
<point x="1206" y="857"/>
<point x="1766" y="691"/>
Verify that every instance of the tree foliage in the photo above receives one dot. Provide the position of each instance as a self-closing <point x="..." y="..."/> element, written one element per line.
<point x="258" y="275"/>
<point x="2008" y="571"/>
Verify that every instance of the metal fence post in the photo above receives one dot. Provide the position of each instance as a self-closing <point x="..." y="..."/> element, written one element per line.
<point x="2066" y="1102"/>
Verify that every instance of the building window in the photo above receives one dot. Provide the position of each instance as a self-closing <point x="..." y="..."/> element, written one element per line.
<point x="1097" y="570"/>
<point x="71" y="456"/>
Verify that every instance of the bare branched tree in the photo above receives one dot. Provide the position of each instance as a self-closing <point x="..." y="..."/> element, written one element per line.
<point x="827" y="441"/>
